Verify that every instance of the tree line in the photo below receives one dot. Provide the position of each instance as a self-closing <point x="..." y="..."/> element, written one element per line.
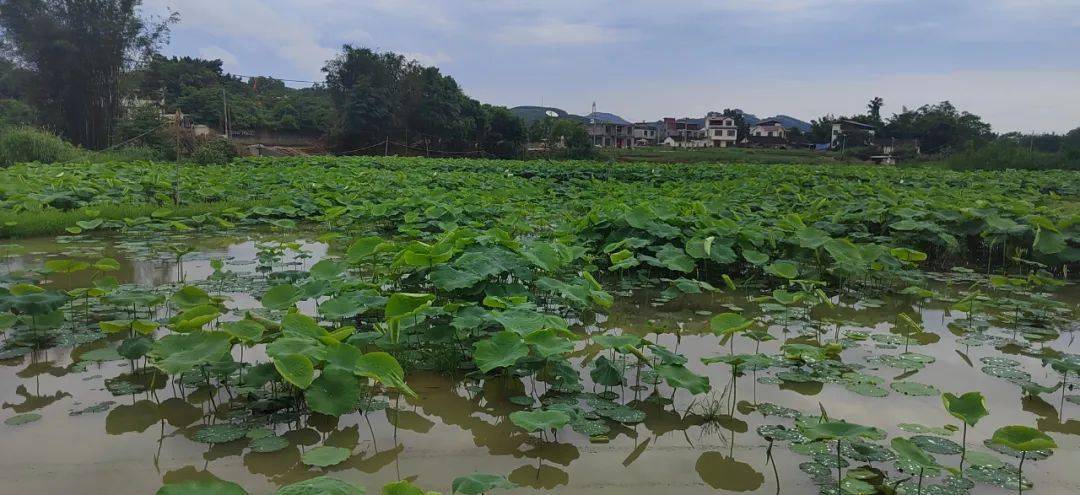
<point x="92" y="72"/>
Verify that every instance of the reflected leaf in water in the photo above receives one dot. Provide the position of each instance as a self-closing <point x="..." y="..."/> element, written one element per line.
<point x="559" y="453"/>
<point x="726" y="473"/>
<point x="541" y="478"/>
<point x="372" y="464"/>
<point x="661" y="420"/>
<point x="223" y="450"/>
<point x="203" y="487"/>
<point x="303" y="436"/>
<point x="322" y="422"/>
<point x="41" y="368"/>
<point x="347" y="438"/>
<point x="804" y="388"/>
<point x="408" y="420"/>
<point x="33" y="402"/>
<point x="132" y="418"/>
<point x="271" y="464"/>
<point x="178" y="412"/>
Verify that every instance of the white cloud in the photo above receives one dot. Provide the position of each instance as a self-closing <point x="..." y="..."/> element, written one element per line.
<point x="429" y="59"/>
<point x="228" y="60"/>
<point x="558" y="32"/>
<point x="255" y="22"/>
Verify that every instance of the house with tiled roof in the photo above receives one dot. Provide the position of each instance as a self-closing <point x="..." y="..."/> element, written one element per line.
<point x="768" y="128"/>
<point x="607" y="130"/>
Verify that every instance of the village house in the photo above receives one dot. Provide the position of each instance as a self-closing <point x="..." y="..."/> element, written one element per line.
<point x="608" y="130"/>
<point x="721" y="130"/>
<point x="849" y="133"/>
<point x="645" y="134"/>
<point x="683" y="133"/>
<point x="769" y="128"/>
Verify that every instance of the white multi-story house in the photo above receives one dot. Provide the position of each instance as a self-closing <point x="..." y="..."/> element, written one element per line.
<point x="645" y="134"/>
<point x="769" y="128"/>
<point x="721" y="131"/>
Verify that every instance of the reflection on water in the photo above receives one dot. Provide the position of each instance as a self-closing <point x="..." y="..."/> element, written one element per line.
<point x="145" y="436"/>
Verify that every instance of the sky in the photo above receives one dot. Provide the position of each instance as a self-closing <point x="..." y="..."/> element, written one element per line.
<point x="1014" y="62"/>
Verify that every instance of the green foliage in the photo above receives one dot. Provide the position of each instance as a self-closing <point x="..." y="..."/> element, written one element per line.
<point x="969" y="407"/>
<point x="216" y="151"/>
<point x="27" y="144"/>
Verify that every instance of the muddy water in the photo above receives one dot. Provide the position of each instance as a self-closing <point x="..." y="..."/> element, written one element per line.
<point x="452" y="429"/>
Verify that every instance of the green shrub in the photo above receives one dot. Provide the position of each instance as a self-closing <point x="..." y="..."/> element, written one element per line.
<point x="1001" y="155"/>
<point x="213" y="151"/>
<point x="28" y="144"/>
<point x="133" y="154"/>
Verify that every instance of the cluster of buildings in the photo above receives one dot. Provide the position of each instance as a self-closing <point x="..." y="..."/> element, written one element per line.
<point x="715" y="130"/>
<point x="720" y="130"/>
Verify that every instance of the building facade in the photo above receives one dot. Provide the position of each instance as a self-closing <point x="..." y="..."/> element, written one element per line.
<point x="721" y="131"/>
<point x="768" y="128"/>
<point x="607" y="130"/>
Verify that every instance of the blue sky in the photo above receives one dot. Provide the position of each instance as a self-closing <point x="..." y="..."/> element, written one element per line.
<point x="1015" y="62"/>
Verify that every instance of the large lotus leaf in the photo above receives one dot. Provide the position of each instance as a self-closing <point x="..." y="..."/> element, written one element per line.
<point x="363" y="249"/>
<point x="524" y="321"/>
<point x="34" y="303"/>
<point x="135" y="347"/>
<point x="313" y="349"/>
<point x="326" y="270"/>
<point x="912" y="453"/>
<point x="680" y="377"/>
<point x="202" y="487"/>
<point x="729" y="323"/>
<point x="65" y="266"/>
<point x="321" y="485"/>
<point x="499" y="351"/>
<point x="190" y="296"/>
<point x="344" y="356"/>
<point x="832" y="430"/>
<point x="478" y="483"/>
<point x="549" y="342"/>
<point x="384" y="368"/>
<point x="675" y="259"/>
<point x="969" y="407"/>
<point x="195" y="317"/>
<point x="783" y="269"/>
<point x="539" y="420"/>
<point x="447" y="277"/>
<point x="177" y="353"/>
<point x="617" y="342"/>
<point x="1023" y="438"/>
<point x="350" y="304"/>
<point x="134" y="299"/>
<point x="325" y="456"/>
<point x="605" y="373"/>
<point x="334" y="392"/>
<point x="404" y="304"/>
<point x="282" y="296"/>
<point x="295" y="369"/>
<point x="243" y="330"/>
<point x="404" y="487"/>
<point x="301" y="325"/>
<point x="914" y="388"/>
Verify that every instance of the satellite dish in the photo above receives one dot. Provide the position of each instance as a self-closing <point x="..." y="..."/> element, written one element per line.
<point x="552" y="113"/>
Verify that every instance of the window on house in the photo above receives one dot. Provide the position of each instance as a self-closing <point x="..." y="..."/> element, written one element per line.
<point x="731" y="132"/>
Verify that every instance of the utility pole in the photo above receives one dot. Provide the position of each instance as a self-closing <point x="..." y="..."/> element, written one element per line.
<point x="176" y="174"/>
<point x="386" y="146"/>
<point x="225" y="102"/>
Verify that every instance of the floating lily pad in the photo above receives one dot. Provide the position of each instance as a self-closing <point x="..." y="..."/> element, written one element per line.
<point x="913" y="388"/>
<point x="1000" y="362"/>
<point x="1006" y="373"/>
<point x="267" y="444"/>
<point x="862" y="451"/>
<point x="770" y="409"/>
<point x="325" y="456"/>
<point x="936" y="445"/>
<point x="590" y="427"/>
<point x="867" y="389"/>
<point x="222" y="433"/>
<point x="22" y="419"/>
<point x="522" y="400"/>
<point x="926" y="430"/>
<point x="1003" y="477"/>
<point x="101" y="355"/>
<point x="781" y="433"/>
<point x="623" y="414"/>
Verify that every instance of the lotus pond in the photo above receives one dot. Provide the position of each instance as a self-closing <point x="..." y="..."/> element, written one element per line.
<point x="405" y="325"/>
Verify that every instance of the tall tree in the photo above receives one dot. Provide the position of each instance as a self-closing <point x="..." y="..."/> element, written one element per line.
<point x="874" y="109"/>
<point x="76" y="52"/>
